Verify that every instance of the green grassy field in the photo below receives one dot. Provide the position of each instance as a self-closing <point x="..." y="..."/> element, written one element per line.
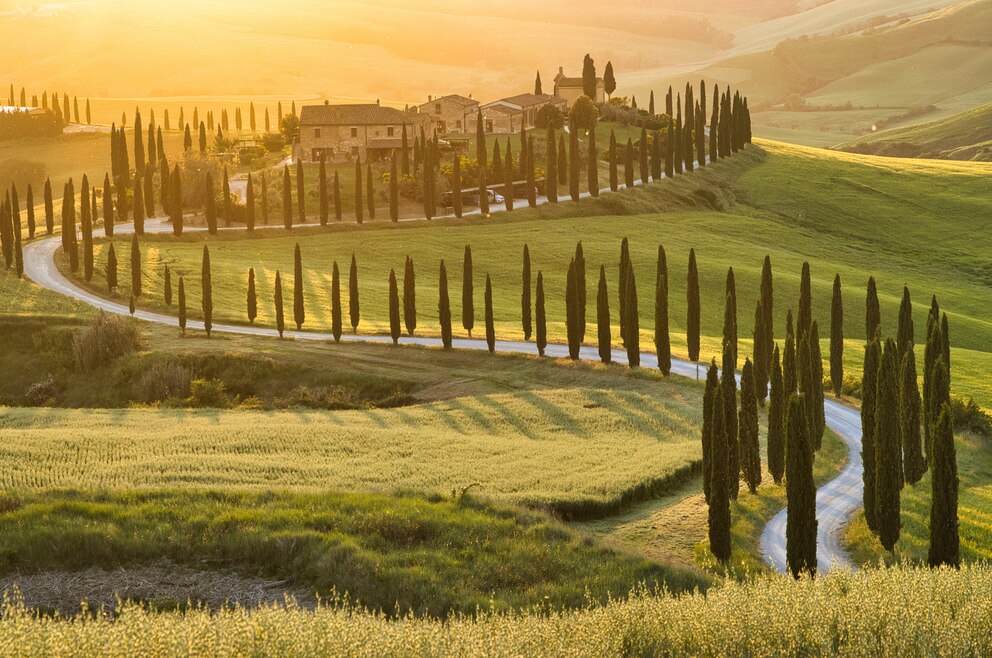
<point x="857" y="216"/>
<point x="964" y="136"/>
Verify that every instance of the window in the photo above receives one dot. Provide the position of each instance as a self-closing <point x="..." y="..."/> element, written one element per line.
<point x="354" y="132"/>
<point x="489" y="125"/>
<point x="316" y="133"/>
<point x="390" y="131"/>
<point x="437" y="108"/>
<point x="458" y="124"/>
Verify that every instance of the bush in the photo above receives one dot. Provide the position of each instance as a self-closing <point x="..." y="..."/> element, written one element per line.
<point x="208" y="393"/>
<point x="273" y="142"/>
<point x="105" y="339"/>
<point x="161" y="382"/>
<point x="969" y="417"/>
<point x="41" y="394"/>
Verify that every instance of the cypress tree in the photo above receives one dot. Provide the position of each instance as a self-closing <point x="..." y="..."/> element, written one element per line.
<point x="336" y="303"/>
<point x="801" y="524"/>
<point x="677" y="154"/>
<point x="905" y="334"/>
<point x="301" y="196"/>
<point x="176" y="201"/>
<point x="593" y="166"/>
<point x="622" y="297"/>
<point x="944" y="540"/>
<point x="250" y="205"/>
<point x="404" y="153"/>
<point x="642" y="152"/>
<point x="468" y="293"/>
<point x="251" y="116"/>
<point x="280" y="319"/>
<point x="562" y="161"/>
<point x="720" y="473"/>
<point x="790" y="372"/>
<point x="497" y="164"/>
<point x="766" y="299"/>
<point x="86" y="228"/>
<point x="18" y="249"/>
<point x="287" y="198"/>
<point x="444" y="307"/>
<point x="709" y="404"/>
<point x="394" y="308"/>
<point x="776" y="421"/>
<point x="670" y="151"/>
<point x="540" y="322"/>
<point x="211" y="206"/>
<point x="614" y="175"/>
<point x="148" y="194"/>
<point x="525" y="314"/>
<point x="873" y="316"/>
<point x="480" y="142"/>
<point x="111" y="272"/>
<point x="531" y="175"/>
<point x="930" y="354"/>
<point x="50" y="206"/>
<point x="7" y="237"/>
<point x="322" y="191"/>
<point x="353" y="306"/>
<point x="805" y="317"/>
<point x="750" y="453"/>
<point x="692" y="304"/>
<point x="483" y="193"/>
<point x="656" y="156"/>
<point x="662" y="339"/>
<point x="574" y="164"/>
<point x="571" y="312"/>
<point x="888" y="448"/>
<point x="551" y="177"/>
<point x="869" y="401"/>
<point x="837" y="338"/>
<point x="728" y="387"/>
<point x="628" y="164"/>
<point x="730" y="316"/>
<point x="203" y="138"/>
<point x="268" y="124"/>
<point x="369" y="190"/>
<point x="580" y="287"/>
<point x="30" y="209"/>
<point x="508" y="177"/>
<point x="206" y="285"/>
<point x="490" y="325"/>
<point x="182" y="303"/>
<point x="909" y="419"/>
<point x="632" y="321"/>
<point x="252" y="299"/>
<point x="69" y="230"/>
<point x="167" y="286"/>
<point x="603" y="319"/>
<point x="135" y="267"/>
<point x="299" y="313"/>
<point x="359" y="210"/>
<point x="811" y="384"/>
<point x="760" y="362"/>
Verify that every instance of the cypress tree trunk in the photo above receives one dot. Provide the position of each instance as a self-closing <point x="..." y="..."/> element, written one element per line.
<point x="210" y="208"/>
<point x="728" y="388"/>
<point x="888" y="453"/>
<point x="444" y="307"/>
<point x="614" y="177"/>
<point x="837" y="338"/>
<point x="909" y="419"/>
<point x="603" y="319"/>
<point x="354" y="309"/>
<point x="468" y="293"/>
<point x="359" y="207"/>
<point x="280" y="319"/>
<point x="719" y="498"/>
<point x="710" y="404"/>
<point x="944" y="541"/>
<point x="574" y="163"/>
<point x="336" y="302"/>
<point x="800" y="527"/>
<point x="748" y="430"/>
<point x="322" y="182"/>
<point x="252" y="299"/>
<point x="540" y="322"/>
<point x="250" y="205"/>
<point x="593" y="165"/>
<point x="136" y="267"/>
<point x="394" y="308"/>
<point x="525" y="314"/>
<point x="693" y="310"/>
<point x="789" y="366"/>
<point x="632" y="322"/>
<point x="111" y="272"/>
<point x="551" y="177"/>
<point x="299" y="315"/>
<point x="206" y="288"/>
<point x="776" y="421"/>
<point x="662" y="339"/>
<point x="490" y="324"/>
<point x="182" y="302"/>
<point x="571" y="312"/>
<point x="869" y="395"/>
<point x="409" y="297"/>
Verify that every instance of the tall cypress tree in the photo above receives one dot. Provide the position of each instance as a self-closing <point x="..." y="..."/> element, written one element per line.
<point x="206" y="287"/>
<point x="280" y="318"/>
<point x="692" y="304"/>
<point x="490" y="322"/>
<point x="394" y="308"/>
<point x="182" y="301"/>
<point x="930" y="355"/>
<point x="287" y="198"/>
<point x="789" y="366"/>
<point x="805" y="317"/>
<point x="776" y="420"/>
<point x="604" y="333"/>
<point x="580" y="288"/>
<point x="409" y="297"/>
<point x="250" y="205"/>
<point x="592" y="166"/>
<point x="562" y="167"/>
<point x="551" y="177"/>
<point x="336" y="302"/>
<point x="800" y="489"/>
<point x="614" y="175"/>
<point x="642" y="152"/>
<point x="354" y="308"/>
<point x="574" y="164"/>
<point x="50" y="206"/>
<point x="359" y="206"/>
<point x="444" y="307"/>
<point x="760" y="361"/>
<point x="628" y="164"/>
<point x="869" y="401"/>
<point x="837" y="338"/>
<point x="720" y="473"/>
<point x="252" y="296"/>
<point x="622" y="297"/>
<point x="135" y="267"/>
<point x="905" y="335"/>
<point x="468" y="293"/>
<point x="301" y="196"/>
<point x="525" y="315"/>
<point x="909" y="419"/>
<point x="299" y="313"/>
<point x="322" y="191"/>
<point x="728" y="389"/>
<point x="944" y="540"/>
<point x="111" y="271"/>
<point x="86" y="227"/>
<point x="730" y="316"/>
<point x="766" y="298"/>
<point x="662" y="338"/>
<point x="30" y="210"/>
<point x="508" y="175"/>
<point x="571" y="312"/>
<point x="370" y="191"/>
<point x="811" y="384"/>
<point x="210" y="210"/>
<point x="873" y="316"/>
<point x="888" y="450"/>
<point x="709" y="405"/>
<point x="540" y="320"/>
<point x="632" y="320"/>
<point x="670" y="150"/>
<point x="69" y="228"/>
<point x="750" y="454"/>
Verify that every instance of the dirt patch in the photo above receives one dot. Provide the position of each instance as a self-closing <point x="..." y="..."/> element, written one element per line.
<point x="162" y="585"/>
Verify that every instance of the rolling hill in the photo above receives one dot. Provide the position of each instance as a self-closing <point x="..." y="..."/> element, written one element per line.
<point x="965" y="136"/>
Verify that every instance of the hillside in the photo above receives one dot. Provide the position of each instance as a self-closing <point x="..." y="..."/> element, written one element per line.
<point x="965" y="136"/>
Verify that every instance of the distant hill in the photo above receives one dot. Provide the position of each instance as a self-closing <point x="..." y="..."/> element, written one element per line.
<point x="965" y="136"/>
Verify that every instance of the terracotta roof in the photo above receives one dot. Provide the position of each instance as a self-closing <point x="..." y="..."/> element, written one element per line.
<point x="503" y="109"/>
<point x="458" y="99"/>
<point x="386" y="143"/>
<point x="526" y="100"/>
<point x="367" y="114"/>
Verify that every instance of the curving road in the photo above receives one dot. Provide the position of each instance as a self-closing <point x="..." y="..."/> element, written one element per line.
<point x="836" y="502"/>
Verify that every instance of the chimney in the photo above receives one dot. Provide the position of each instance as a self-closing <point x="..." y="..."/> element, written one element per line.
<point x="377" y="102"/>
<point x="561" y="70"/>
<point x="429" y="98"/>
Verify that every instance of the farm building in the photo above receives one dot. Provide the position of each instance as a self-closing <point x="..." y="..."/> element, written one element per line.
<point x="571" y="88"/>
<point x="451" y="114"/>
<point x="365" y="131"/>
<point x="508" y="114"/>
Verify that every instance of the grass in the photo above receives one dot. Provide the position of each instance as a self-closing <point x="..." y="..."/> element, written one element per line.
<point x="964" y="136"/>
<point x="899" y="612"/>
<point x="396" y="555"/>
<point x="974" y="501"/>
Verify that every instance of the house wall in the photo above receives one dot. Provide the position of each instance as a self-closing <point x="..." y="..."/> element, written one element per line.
<point x="500" y="123"/>
<point x="340" y="145"/>
<point x="449" y="116"/>
<point x="571" y="94"/>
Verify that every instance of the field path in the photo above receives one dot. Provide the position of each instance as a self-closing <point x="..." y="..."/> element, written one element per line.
<point x="836" y="502"/>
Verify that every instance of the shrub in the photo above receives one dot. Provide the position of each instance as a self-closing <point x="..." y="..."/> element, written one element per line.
<point x="969" y="417"/>
<point x="208" y="393"/>
<point x="106" y="338"/>
<point x="41" y="393"/>
<point x="273" y="142"/>
<point x="161" y="382"/>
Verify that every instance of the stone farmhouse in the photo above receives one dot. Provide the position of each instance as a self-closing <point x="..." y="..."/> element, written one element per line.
<point x="507" y="115"/>
<point x="451" y="114"/>
<point x="366" y="131"/>
<point x="571" y="88"/>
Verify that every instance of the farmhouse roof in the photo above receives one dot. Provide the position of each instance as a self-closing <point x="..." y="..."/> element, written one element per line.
<point x="458" y="99"/>
<point x="526" y="100"/>
<point x="364" y="114"/>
